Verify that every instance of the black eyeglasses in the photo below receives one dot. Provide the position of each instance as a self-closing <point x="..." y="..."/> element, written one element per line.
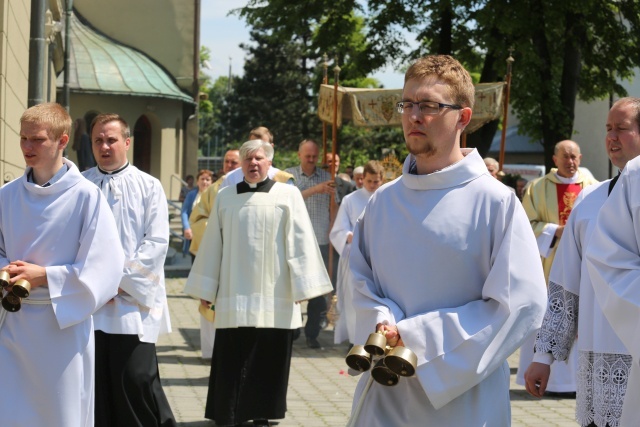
<point x="425" y="107"/>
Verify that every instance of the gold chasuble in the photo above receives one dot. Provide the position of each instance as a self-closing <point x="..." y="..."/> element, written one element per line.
<point x="549" y="201"/>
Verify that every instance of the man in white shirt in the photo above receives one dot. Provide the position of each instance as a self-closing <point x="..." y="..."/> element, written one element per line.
<point x="54" y="230"/>
<point x="128" y="388"/>
<point x="442" y="262"/>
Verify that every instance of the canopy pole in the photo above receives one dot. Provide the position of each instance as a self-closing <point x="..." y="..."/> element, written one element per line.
<point x="325" y="80"/>
<point x="333" y="207"/>
<point x="503" y="139"/>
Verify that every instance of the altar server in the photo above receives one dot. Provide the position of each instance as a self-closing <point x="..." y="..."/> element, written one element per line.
<point x="56" y="232"/>
<point x="443" y="264"/>
<point x="613" y="261"/>
<point x="341" y="236"/>
<point x="548" y="201"/>
<point x="258" y="258"/>
<point x="128" y="388"/>
<point x="603" y="363"/>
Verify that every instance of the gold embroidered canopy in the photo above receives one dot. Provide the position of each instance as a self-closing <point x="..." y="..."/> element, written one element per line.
<point x="377" y="107"/>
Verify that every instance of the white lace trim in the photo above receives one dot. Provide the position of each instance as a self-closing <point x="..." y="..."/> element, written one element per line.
<point x="601" y="385"/>
<point x="560" y="324"/>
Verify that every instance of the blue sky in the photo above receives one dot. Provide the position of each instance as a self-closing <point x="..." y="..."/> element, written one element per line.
<point x="223" y="35"/>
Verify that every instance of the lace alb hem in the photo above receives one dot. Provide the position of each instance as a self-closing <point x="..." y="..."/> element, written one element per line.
<point x="601" y="386"/>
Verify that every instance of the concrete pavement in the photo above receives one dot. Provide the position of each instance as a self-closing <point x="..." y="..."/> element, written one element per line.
<point x="320" y="393"/>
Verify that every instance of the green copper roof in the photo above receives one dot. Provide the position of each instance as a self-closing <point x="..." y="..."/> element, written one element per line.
<point x="100" y="65"/>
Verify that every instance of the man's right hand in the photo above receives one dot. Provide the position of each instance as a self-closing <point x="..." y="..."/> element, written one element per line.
<point x="536" y="378"/>
<point x="327" y="187"/>
<point x="559" y="231"/>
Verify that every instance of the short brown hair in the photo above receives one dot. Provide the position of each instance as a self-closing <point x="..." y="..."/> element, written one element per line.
<point x="262" y="133"/>
<point x="103" y="119"/>
<point x="449" y="70"/>
<point x="204" y="172"/>
<point x="634" y="102"/>
<point x="374" y="167"/>
<point x="52" y="115"/>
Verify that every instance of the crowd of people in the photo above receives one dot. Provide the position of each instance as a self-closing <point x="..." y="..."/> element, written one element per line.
<point x="446" y="261"/>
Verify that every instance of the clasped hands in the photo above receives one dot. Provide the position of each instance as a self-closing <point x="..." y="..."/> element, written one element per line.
<point x="34" y="274"/>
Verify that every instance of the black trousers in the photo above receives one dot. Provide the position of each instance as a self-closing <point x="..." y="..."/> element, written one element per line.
<point x="128" y="388"/>
<point x="249" y="375"/>
<point x="317" y="307"/>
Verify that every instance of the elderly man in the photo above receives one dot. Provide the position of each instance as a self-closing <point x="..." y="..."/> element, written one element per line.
<point x="548" y="202"/>
<point x="263" y="134"/>
<point x="56" y="232"/>
<point x="316" y="186"/>
<point x="257" y="260"/>
<point x="492" y="166"/>
<point x="128" y="387"/>
<point x="572" y="309"/>
<point x="202" y="209"/>
<point x="455" y="285"/>
<point x="358" y="176"/>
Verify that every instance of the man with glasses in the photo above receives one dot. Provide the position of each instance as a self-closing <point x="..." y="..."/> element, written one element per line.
<point x="442" y="265"/>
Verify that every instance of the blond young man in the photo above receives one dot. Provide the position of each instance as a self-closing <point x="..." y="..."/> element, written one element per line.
<point x="54" y="228"/>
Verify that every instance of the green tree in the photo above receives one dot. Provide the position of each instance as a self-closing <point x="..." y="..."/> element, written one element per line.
<point x="564" y="50"/>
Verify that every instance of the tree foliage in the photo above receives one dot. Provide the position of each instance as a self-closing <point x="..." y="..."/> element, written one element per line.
<point x="564" y="50"/>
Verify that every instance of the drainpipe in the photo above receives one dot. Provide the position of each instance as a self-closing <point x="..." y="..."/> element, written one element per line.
<point x="37" y="48"/>
<point x="66" y="94"/>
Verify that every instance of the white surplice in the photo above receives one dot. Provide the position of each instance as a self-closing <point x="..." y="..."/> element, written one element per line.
<point x="613" y="261"/>
<point x="139" y="206"/>
<point x="603" y="363"/>
<point x="451" y="260"/>
<point x="47" y="348"/>
<point x="258" y="256"/>
<point x="350" y="209"/>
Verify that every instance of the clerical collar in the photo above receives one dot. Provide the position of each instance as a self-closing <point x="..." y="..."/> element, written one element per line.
<point x="55" y="178"/>
<point x="571" y="180"/>
<point x="126" y="165"/>
<point x="260" y="187"/>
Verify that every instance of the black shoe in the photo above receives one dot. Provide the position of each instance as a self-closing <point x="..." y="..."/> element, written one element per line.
<point x="313" y="343"/>
<point x="261" y="423"/>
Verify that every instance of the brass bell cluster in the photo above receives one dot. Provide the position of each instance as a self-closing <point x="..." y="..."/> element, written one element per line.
<point x="391" y="364"/>
<point x="12" y="301"/>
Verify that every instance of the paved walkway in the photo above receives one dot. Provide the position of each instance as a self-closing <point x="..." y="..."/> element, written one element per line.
<point x="319" y="393"/>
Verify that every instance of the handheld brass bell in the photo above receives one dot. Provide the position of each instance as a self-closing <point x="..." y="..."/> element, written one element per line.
<point x="11" y="303"/>
<point x="21" y="288"/>
<point x="402" y="361"/>
<point x="376" y="344"/>
<point x="4" y="279"/>
<point x="359" y="359"/>
<point x="383" y="375"/>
